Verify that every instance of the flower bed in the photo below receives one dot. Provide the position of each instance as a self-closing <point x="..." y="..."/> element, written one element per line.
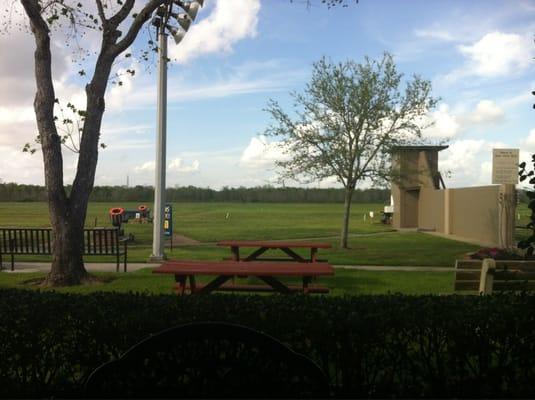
<point x="495" y="253"/>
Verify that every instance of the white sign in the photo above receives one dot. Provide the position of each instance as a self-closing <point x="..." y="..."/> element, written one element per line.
<point x="505" y="166"/>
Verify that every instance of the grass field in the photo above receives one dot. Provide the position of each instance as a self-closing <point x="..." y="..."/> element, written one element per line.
<point x="371" y="243"/>
<point x="345" y="282"/>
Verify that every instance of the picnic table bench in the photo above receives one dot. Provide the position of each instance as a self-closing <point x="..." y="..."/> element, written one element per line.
<point x="223" y="271"/>
<point x="39" y="241"/>
<point x="264" y="245"/>
<point x="491" y="275"/>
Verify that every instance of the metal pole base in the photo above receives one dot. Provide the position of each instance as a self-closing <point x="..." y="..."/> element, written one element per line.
<point x="156" y="259"/>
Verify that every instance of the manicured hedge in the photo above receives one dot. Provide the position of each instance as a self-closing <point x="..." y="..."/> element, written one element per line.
<point x="370" y="346"/>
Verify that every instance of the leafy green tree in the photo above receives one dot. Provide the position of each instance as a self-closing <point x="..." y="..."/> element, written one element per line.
<point x="118" y="23"/>
<point x="346" y="121"/>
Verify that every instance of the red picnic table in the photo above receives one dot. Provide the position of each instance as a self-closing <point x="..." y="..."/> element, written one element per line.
<point x="226" y="270"/>
<point x="263" y="245"/>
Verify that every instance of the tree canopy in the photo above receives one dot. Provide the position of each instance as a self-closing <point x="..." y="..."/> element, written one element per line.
<point x="346" y="121"/>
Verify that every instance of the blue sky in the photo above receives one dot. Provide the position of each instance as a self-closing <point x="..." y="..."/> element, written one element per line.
<point x="240" y="53"/>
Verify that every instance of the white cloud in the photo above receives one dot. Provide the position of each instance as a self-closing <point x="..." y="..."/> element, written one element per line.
<point x="229" y="22"/>
<point x="434" y="34"/>
<point x="119" y="95"/>
<point x="261" y="154"/>
<point x="495" y="54"/>
<point x="530" y="140"/>
<point x="177" y="165"/>
<point x="228" y="85"/>
<point x="468" y="162"/>
<point x="16" y="166"/>
<point x="446" y="124"/>
<point x="16" y="114"/>
<point x="146" y="167"/>
<point x="450" y="123"/>
<point x="487" y="111"/>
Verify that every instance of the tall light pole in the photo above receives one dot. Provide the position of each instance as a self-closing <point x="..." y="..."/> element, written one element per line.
<point x="161" y="21"/>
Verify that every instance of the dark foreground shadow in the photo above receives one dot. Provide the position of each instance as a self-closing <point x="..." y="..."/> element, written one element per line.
<point x="208" y="359"/>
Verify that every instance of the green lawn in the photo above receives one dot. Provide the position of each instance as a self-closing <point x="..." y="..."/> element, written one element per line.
<point x="345" y="282"/>
<point x="208" y="223"/>
<point x="523" y="218"/>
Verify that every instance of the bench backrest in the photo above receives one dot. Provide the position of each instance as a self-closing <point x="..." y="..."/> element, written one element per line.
<point x="40" y="241"/>
<point x="25" y="240"/>
<point x="507" y="275"/>
<point x="101" y="241"/>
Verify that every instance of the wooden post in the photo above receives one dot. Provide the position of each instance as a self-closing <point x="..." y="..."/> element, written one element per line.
<point x="487" y="276"/>
<point x="506" y="215"/>
<point x="447" y="211"/>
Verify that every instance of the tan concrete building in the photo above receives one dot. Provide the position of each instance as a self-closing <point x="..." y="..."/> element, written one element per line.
<point x="482" y="215"/>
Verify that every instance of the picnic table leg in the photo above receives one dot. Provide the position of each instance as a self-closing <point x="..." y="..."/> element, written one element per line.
<point x="235" y="253"/>
<point x="254" y="255"/>
<point x="306" y="281"/>
<point x="181" y="281"/>
<point x="213" y="285"/>
<point x="293" y="254"/>
<point x="313" y="253"/>
<point x="276" y="284"/>
<point x="192" y="285"/>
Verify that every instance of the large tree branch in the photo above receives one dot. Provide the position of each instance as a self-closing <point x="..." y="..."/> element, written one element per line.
<point x="121" y="15"/>
<point x="379" y="147"/>
<point x="88" y="155"/>
<point x="101" y="13"/>
<point x="140" y="19"/>
<point x="44" y="109"/>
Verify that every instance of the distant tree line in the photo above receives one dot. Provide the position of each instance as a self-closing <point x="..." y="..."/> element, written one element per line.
<point x="268" y="194"/>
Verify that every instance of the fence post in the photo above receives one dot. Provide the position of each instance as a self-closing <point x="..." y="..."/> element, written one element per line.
<point x="506" y="215"/>
<point x="12" y="251"/>
<point x="447" y="211"/>
<point x="487" y="276"/>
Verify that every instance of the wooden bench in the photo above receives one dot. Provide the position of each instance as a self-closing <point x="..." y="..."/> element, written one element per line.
<point x="40" y="241"/>
<point x="491" y="275"/>
<point x="223" y="271"/>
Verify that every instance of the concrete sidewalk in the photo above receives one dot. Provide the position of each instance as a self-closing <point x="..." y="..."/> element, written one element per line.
<point x="21" y="267"/>
<point x="395" y="268"/>
<point x="45" y="267"/>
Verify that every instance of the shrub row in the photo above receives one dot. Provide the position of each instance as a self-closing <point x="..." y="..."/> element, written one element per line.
<point x="370" y="346"/>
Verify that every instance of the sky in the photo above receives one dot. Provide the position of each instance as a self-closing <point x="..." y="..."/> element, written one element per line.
<point x="478" y="54"/>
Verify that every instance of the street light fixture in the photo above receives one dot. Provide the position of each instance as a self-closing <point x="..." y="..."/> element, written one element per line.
<point x="162" y="20"/>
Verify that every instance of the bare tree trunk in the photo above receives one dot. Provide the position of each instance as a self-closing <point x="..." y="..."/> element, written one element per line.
<point x="67" y="262"/>
<point x="347" y="213"/>
<point x="67" y="213"/>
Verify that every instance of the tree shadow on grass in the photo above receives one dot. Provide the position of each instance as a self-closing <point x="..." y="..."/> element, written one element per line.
<point x="90" y="281"/>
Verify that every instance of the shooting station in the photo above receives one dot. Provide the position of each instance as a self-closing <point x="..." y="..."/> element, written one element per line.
<point x="484" y="215"/>
<point x="118" y="216"/>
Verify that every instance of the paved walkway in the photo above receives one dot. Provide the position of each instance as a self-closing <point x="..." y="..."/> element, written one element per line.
<point x="394" y="268"/>
<point x="45" y="266"/>
<point x="110" y="267"/>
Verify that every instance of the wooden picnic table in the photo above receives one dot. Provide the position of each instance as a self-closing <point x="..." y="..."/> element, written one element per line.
<point x="226" y="270"/>
<point x="263" y="245"/>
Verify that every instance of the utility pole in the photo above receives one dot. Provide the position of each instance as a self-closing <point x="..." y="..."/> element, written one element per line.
<point x="164" y="15"/>
<point x="161" y="149"/>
